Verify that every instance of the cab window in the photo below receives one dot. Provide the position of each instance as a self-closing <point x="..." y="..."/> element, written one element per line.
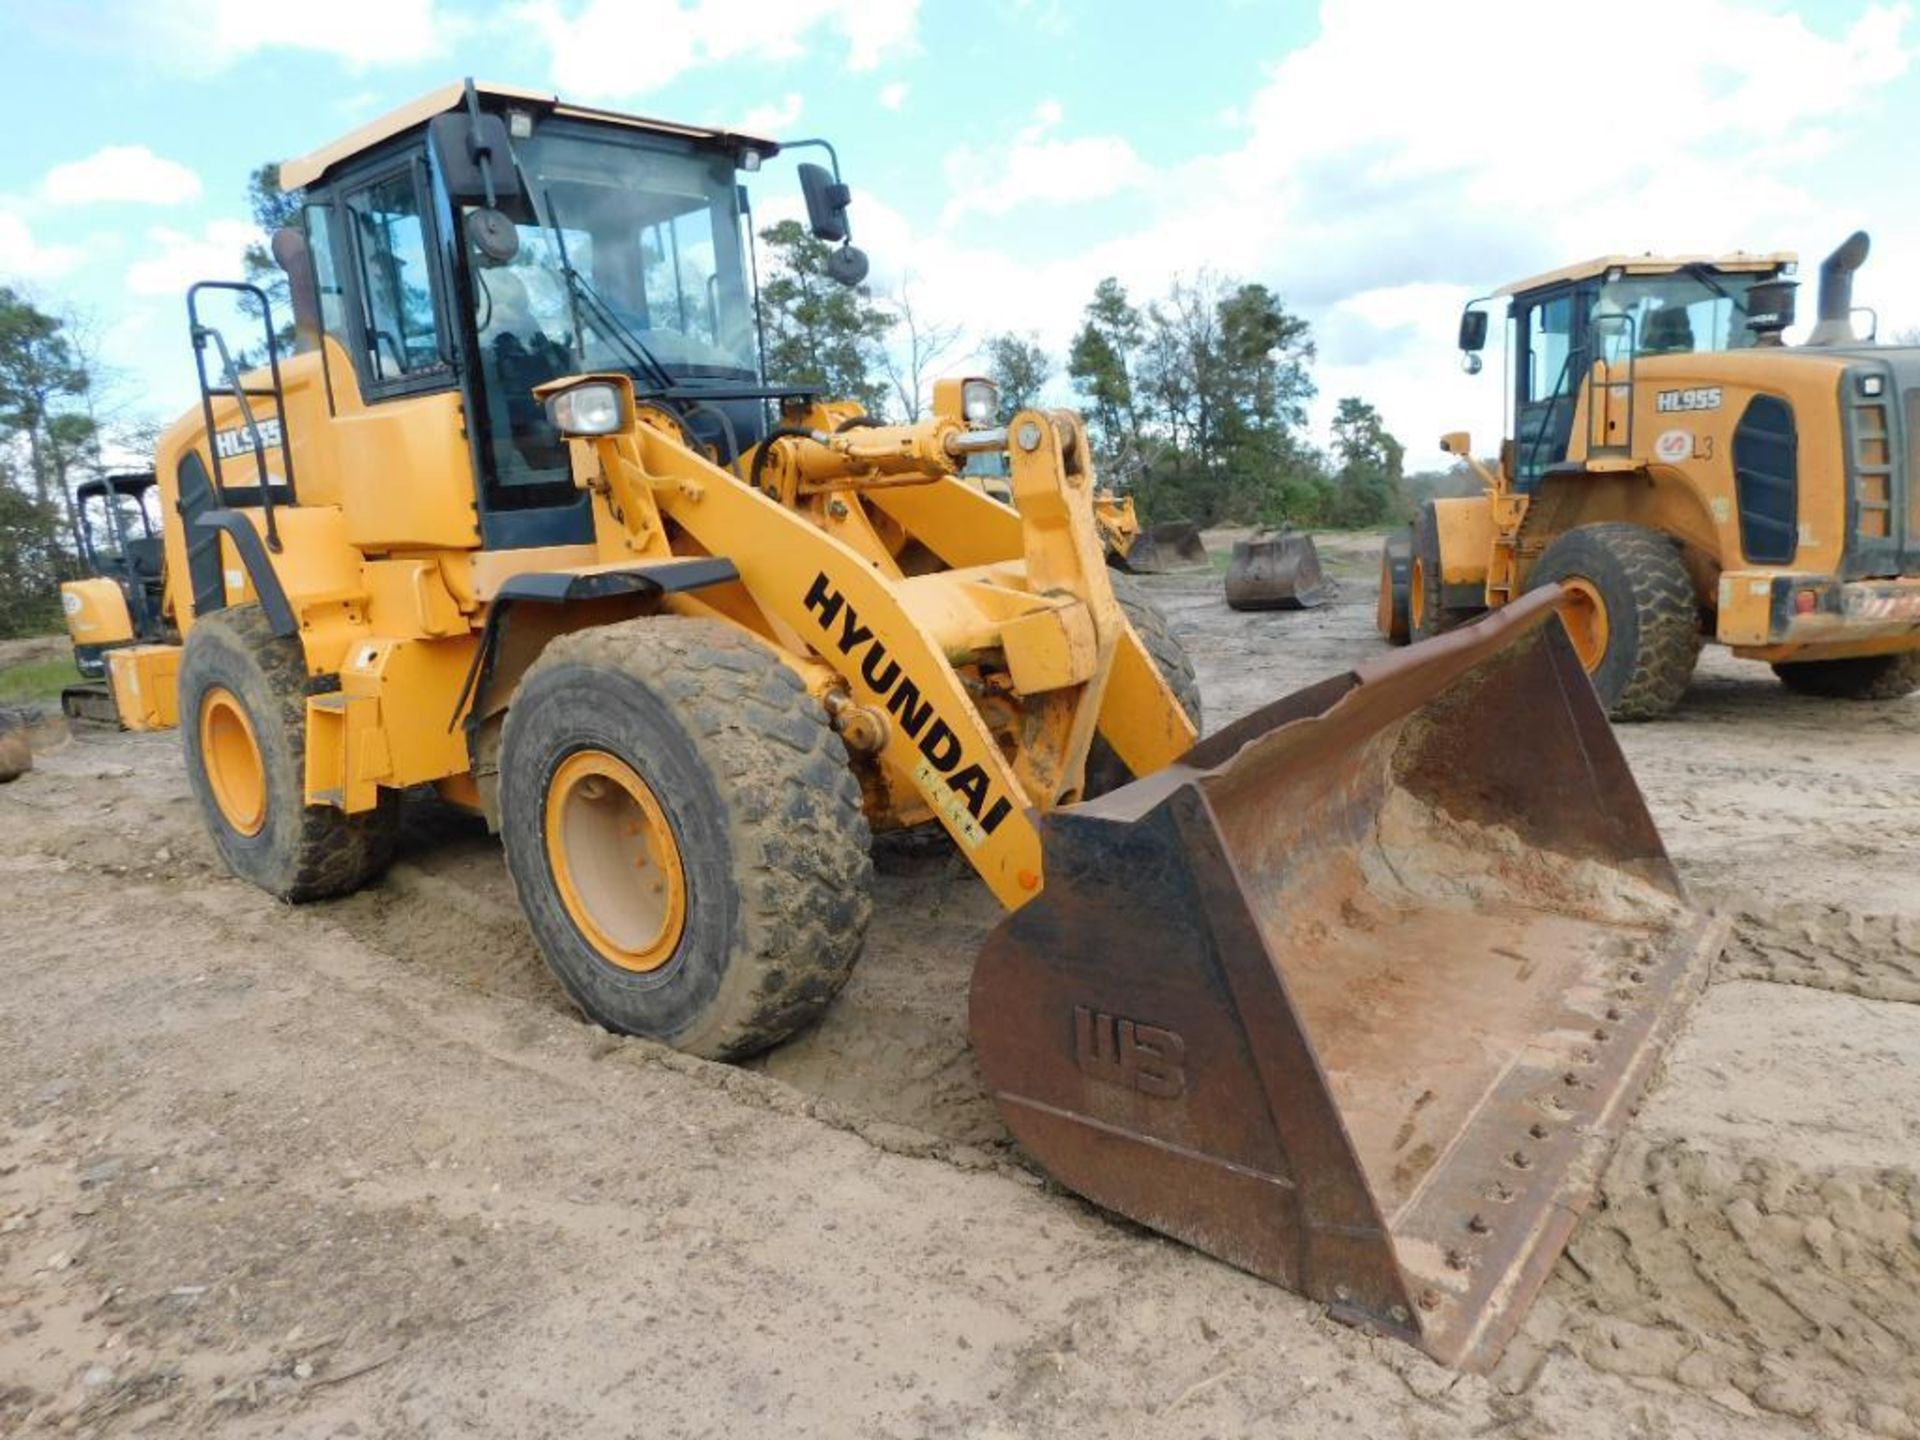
<point x="402" y="333"/>
<point x="1549" y="345"/>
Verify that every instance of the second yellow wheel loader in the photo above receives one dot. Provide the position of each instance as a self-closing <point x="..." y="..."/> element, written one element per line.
<point x="1354" y="993"/>
<point x="1683" y="476"/>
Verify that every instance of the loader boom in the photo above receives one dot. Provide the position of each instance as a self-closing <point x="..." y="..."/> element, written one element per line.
<point x="1035" y="590"/>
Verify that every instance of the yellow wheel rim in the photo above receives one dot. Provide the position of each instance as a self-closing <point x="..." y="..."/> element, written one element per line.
<point x="614" y="860"/>
<point x="1584" y="613"/>
<point x="231" y="757"/>
<point x="1417" y="594"/>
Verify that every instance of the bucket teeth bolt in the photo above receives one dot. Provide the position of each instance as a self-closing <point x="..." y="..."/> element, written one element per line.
<point x="1478" y="1225"/>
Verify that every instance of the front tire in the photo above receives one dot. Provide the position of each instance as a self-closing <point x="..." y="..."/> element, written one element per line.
<point x="685" y="834"/>
<point x="243" y="717"/>
<point x="1428" y="613"/>
<point x="1630" y="612"/>
<point x="1396" y="585"/>
<point x="1863" y="677"/>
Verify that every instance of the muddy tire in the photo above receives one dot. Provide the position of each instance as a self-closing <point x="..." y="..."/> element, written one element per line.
<point x="243" y="720"/>
<point x="1428" y="614"/>
<point x="1105" y="770"/>
<point x="685" y="834"/>
<point x="1863" y="677"/>
<point x="1635" y="622"/>
<point x="1396" y="575"/>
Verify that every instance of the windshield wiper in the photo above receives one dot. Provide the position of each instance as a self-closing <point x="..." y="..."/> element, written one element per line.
<point x="604" y="320"/>
<point x="1705" y="277"/>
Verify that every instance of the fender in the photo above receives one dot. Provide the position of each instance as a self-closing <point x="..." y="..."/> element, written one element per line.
<point x="253" y="555"/>
<point x="487" y="676"/>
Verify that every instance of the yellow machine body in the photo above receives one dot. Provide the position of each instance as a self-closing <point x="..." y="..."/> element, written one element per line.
<point x="96" y="612"/>
<point x="397" y="617"/>
<point x="1680" y="444"/>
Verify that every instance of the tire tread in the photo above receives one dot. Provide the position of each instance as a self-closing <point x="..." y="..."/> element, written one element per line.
<point x="795" y="820"/>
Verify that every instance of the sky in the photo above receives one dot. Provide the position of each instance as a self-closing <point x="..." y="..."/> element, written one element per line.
<point x="1377" y="163"/>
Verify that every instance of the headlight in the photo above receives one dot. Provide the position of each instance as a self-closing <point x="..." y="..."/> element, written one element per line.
<point x="594" y="409"/>
<point x="980" y="402"/>
<point x="1873" y="386"/>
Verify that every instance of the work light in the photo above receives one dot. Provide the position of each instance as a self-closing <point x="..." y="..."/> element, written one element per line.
<point x="594" y="408"/>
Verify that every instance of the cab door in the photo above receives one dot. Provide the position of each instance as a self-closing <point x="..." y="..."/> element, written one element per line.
<point x="1551" y="333"/>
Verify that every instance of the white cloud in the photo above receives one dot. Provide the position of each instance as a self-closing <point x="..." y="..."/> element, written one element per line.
<point x="22" y="257"/>
<point x="1376" y="187"/>
<point x="177" y="258"/>
<point x="1038" y="168"/>
<point x="205" y="36"/>
<point x="126" y="174"/>
<point x="893" y="94"/>
<point x="608" y="49"/>
<point x="774" y="119"/>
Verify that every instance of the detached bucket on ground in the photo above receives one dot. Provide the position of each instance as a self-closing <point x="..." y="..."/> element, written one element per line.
<point x="1280" y="571"/>
<point x="1359" y="994"/>
<point x="1170" y="546"/>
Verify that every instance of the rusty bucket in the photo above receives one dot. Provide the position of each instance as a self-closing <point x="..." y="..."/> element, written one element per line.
<point x="1277" y="571"/>
<point x="1359" y="994"/>
<point x="1170" y="546"/>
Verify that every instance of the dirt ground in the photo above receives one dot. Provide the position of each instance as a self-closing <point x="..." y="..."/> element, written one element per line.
<point x="357" y="1170"/>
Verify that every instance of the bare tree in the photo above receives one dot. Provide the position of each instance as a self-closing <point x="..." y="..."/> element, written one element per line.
<point x="919" y="343"/>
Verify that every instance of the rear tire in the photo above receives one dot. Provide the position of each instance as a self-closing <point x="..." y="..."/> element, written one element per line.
<point x="1863" y="677"/>
<point x="243" y="718"/>
<point x="1637" y="623"/>
<point x="737" y="784"/>
<point x="1105" y="770"/>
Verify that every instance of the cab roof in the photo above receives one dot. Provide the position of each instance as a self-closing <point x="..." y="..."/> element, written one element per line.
<point x="128" y="484"/>
<point x="1740" y="262"/>
<point x="295" y="174"/>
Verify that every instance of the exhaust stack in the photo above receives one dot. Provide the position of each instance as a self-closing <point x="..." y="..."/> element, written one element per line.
<point x="1835" y="325"/>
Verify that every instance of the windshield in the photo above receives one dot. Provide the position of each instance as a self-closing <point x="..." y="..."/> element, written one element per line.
<point x="1679" y="314"/>
<point x="654" y="234"/>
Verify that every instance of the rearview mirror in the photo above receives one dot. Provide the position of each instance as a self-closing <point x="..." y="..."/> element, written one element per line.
<point x="474" y="158"/>
<point x="1473" y="330"/>
<point x="848" y="265"/>
<point x="827" y="201"/>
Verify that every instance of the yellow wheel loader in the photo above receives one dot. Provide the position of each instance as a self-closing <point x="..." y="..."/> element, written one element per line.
<point x="1683" y="475"/>
<point x="1354" y="994"/>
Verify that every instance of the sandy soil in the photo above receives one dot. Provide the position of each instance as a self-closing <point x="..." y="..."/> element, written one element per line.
<point x="356" y="1169"/>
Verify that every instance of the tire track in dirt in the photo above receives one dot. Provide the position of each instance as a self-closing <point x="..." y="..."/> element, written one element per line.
<point x="1763" y="1286"/>
<point x="1827" y="947"/>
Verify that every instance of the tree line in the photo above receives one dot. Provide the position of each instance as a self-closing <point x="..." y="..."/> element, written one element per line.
<point x="50" y="440"/>
<point x="1196" y="402"/>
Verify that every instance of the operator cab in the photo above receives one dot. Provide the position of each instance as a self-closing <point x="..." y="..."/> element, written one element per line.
<point x="1619" y="309"/>
<point x="119" y="538"/>
<point x="490" y="239"/>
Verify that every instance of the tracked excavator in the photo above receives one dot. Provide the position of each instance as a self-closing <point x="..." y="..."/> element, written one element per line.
<point x="1354" y="993"/>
